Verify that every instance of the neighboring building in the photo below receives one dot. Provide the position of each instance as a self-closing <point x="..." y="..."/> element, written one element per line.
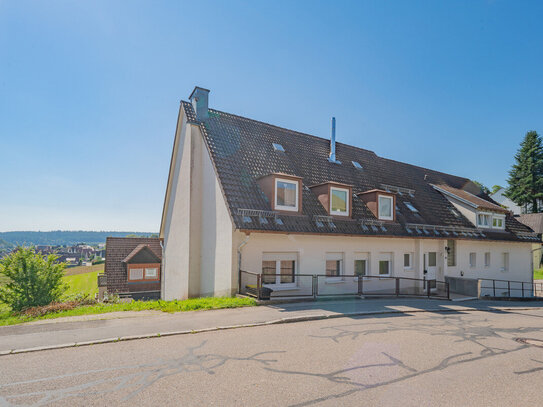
<point x="247" y="195"/>
<point x="535" y="222"/>
<point x="500" y="198"/>
<point x="133" y="266"/>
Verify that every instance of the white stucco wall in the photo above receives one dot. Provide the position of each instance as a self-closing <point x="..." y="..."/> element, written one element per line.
<point x="198" y="249"/>
<point x="311" y="253"/>
<point x="176" y="234"/>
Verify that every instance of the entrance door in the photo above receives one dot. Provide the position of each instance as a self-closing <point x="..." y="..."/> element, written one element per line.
<point x="430" y="268"/>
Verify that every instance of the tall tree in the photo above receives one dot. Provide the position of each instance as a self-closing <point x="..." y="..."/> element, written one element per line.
<point x="526" y="176"/>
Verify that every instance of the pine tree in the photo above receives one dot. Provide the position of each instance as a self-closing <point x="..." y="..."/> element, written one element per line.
<point x="526" y="176"/>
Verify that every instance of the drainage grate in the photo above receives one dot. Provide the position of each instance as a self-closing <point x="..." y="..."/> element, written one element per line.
<point x="533" y="342"/>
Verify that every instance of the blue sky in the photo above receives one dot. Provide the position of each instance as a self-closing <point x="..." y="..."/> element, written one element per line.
<point x="90" y="91"/>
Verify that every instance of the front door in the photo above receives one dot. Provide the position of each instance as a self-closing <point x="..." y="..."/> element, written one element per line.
<point x="430" y="268"/>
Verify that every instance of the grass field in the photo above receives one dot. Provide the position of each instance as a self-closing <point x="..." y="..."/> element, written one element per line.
<point x="83" y="283"/>
<point x="84" y="269"/>
<point x="538" y="274"/>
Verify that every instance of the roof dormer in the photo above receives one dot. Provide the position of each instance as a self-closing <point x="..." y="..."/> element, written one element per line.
<point x="335" y="197"/>
<point x="381" y="203"/>
<point x="283" y="191"/>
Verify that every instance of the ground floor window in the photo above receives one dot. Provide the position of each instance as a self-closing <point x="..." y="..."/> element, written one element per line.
<point x="487" y="259"/>
<point x="451" y="253"/>
<point x="472" y="259"/>
<point x="361" y="264"/>
<point x="334" y="264"/>
<point x="408" y="261"/>
<point x="385" y="264"/>
<point x="505" y="262"/>
<point x="279" y="269"/>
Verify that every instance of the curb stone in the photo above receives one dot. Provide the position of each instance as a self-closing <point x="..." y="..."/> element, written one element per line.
<point x="286" y="320"/>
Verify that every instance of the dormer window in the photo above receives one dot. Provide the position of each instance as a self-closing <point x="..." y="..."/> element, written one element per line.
<point x="489" y="220"/>
<point x="283" y="191"/>
<point x="339" y="202"/>
<point x="386" y="203"/>
<point x="286" y="195"/>
<point x="334" y="197"/>
<point x="381" y="203"/>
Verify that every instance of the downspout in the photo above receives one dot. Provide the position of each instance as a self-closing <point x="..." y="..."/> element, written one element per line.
<point x="247" y="236"/>
<point x="162" y="274"/>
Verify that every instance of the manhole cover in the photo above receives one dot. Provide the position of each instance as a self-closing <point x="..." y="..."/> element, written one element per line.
<point x="533" y="342"/>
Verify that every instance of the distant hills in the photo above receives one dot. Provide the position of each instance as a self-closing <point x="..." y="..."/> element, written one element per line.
<point x="61" y="237"/>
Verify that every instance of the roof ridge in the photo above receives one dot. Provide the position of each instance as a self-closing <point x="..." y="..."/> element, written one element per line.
<point x="286" y="129"/>
<point x="337" y="142"/>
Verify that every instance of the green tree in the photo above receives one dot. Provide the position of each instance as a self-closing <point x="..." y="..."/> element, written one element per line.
<point x="526" y="176"/>
<point x="33" y="279"/>
<point x="483" y="187"/>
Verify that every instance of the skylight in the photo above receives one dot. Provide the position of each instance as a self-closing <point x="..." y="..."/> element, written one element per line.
<point x="278" y="147"/>
<point x="411" y="207"/>
<point x="357" y="165"/>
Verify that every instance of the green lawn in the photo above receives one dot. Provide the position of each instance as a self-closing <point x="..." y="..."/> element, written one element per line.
<point x="538" y="274"/>
<point x="7" y="318"/>
<point x="82" y="283"/>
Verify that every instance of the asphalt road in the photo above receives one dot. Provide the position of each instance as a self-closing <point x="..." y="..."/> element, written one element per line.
<point x="423" y="359"/>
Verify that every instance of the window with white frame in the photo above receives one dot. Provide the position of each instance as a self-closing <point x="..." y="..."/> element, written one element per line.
<point x="408" y="261"/>
<point x="385" y="207"/>
<point x="361" y="264"/>
<point x="472" y="259"/>
<point x="279" y="269"/>
<point x="339" y="201"/>
<point x="135" y="274"/>
<point x="151" y="273"/>
<point x="484" y="220"/>
<point x="334" y="265"/>
<point x="385" y="264"/>
<point x="487" y="259"/>
<point x="498" y="222"/>
<point x="491" y="220"/>
<point x="505" y="262"/>
<point x="286" y="194"/>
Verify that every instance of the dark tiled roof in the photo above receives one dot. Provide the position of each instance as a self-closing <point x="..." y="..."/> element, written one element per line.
<point x="533" y="221"/>
<point x="117" y="249"/>
<point x="138" y="249"/>
<point x="242" y="152"/>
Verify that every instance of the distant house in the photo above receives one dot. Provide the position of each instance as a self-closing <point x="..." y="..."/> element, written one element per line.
<point x="251" y="204"/>
<point x="535" y="222"/>
<point x="133" y="266"/>
<point x="499" y="197"/>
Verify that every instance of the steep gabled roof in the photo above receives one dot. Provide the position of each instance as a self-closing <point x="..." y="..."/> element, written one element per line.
<point x="242" y="151"/>
<point x="142" y="247"/>
<point x="533" y="221"/>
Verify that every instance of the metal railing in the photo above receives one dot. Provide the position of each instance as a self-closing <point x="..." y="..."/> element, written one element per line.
<point x="318" y="285"/>
<point x="509" y="288"/>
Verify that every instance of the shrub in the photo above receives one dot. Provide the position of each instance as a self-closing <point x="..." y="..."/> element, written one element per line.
<point x="33" y="280"/>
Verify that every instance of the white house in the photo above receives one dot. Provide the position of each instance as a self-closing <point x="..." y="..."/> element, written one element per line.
<point x="293" y="209"/>
<point x="499" y="197"/>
